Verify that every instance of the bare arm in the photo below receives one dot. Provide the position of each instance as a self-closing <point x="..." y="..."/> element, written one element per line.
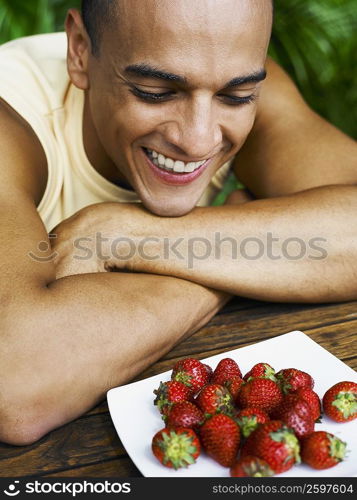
<point x="65" y="342"/>
<point x="296" y="248"/>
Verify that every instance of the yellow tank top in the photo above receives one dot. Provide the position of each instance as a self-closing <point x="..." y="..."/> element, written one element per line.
<point x="34" y="81"/>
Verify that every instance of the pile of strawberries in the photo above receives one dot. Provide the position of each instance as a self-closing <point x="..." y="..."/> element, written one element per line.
<point x="259" y="424"/>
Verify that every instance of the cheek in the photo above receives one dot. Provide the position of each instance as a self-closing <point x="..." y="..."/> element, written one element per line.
<point x="133" y="120"/>
<point x="240" y="125"/>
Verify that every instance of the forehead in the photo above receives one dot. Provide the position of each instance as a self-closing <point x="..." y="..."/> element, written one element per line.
<point x="190" y="36"/>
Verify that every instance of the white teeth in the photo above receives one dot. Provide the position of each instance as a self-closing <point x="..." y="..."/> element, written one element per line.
<point x="161" y="159"/>
<point x="169" y="163"/>
<point x="190" y="167"/>
<point x="177" y="166"/>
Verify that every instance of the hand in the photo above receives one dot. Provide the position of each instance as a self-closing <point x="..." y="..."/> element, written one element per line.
<point x="155" y="230"/>
<point x="84" y="242"/>
<point x="68" y="236"/>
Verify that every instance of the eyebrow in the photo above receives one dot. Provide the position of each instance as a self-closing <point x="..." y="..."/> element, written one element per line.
<point x="152" y="72"/>
<point x="255" y="77"/>
<point x="145" y="70"/>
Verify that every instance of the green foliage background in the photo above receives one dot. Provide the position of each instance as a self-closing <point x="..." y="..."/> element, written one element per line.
<point x="314" y="40"/>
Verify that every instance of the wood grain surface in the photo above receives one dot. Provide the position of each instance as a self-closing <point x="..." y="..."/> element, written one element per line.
<point x="90" y="447"/>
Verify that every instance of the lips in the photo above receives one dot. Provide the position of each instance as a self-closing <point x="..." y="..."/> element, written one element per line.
<point x="171" y="175"/>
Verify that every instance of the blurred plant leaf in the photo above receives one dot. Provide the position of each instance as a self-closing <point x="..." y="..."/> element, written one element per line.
<point x="315" y="41"/>
<point x="21" y="18"/>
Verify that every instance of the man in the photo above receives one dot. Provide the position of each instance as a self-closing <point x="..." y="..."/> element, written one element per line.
<point x="171" y="93"/>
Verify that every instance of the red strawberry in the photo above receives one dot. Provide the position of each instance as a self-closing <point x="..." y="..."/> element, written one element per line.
<point x="275" y="443"/>
<point x="225" y="370"/>
<point x="249" y="419"/>
<point x="209" y="372"/>
<point x="261" y="370"/>
<point x="214" y="398"/>
<point x="250" y="466"/>
<point x="322" y="450"/>
<point x="185" y="414"/>
<point x="261" y="393"/>
<point x="220" y="437"/>
<point x="171" y="392"/>
<point x="191" y="372"/>
<point x="233" y="385"/>
<point x="296" y="414"/>
<point x="176" y="448"/>
<point x="340" y="401"/>
<point x="290" y="379"/>
<point x="312" y="399"/>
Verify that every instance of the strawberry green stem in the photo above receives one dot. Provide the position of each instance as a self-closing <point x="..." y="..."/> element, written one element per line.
<point x="287" y="436"/>
<point x="337" y="448"/>
<point x="346" y="403"/>
<point x="178" y="449"/>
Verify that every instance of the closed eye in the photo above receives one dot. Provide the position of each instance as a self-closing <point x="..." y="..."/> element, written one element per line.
<point x="155" y="97"/>
<point x="151" y="96"/>
<point x="236" y="100"/>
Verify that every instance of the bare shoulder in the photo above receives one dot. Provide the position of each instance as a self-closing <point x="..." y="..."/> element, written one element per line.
<point x="291" y="148"/>
<point x="278" y="87"/>
<point x="23" y="163"/>
<point x="23" y="173"/>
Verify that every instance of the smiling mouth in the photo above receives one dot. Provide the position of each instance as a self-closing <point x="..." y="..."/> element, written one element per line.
<point x="169" y="165"/>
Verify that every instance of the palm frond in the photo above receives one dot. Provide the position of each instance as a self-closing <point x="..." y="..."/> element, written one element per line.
<point x="21" y="17"/>
<point x="315" y="41"/>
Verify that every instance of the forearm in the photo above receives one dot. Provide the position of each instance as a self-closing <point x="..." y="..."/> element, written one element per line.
<point x="301" y="247"/>
<point x="86" y="334"/>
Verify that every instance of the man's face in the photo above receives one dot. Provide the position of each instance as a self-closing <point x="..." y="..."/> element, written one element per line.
<point x="162" y="97"/>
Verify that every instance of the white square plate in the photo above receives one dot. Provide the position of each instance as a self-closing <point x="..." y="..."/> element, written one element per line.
<point x="136" y="419"/>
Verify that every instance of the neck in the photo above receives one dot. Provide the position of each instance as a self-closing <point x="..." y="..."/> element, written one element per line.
<point x="95" y="152"/>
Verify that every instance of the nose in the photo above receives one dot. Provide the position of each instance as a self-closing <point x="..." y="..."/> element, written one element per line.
<point x="195" y="130"/>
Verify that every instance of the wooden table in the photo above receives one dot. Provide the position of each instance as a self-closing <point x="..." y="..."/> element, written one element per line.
<point x="89" y="446"/>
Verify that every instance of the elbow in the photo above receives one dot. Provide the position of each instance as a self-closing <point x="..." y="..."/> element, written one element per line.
<point x="23" y="417"/>
<point x="19" y="434"/>
<point x="20" y="422"/>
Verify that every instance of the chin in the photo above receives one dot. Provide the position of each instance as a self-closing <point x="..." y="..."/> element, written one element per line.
<point x="167" y="209"/>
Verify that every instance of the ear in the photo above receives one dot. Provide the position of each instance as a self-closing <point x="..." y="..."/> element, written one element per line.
<point x="79" y="49"/>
